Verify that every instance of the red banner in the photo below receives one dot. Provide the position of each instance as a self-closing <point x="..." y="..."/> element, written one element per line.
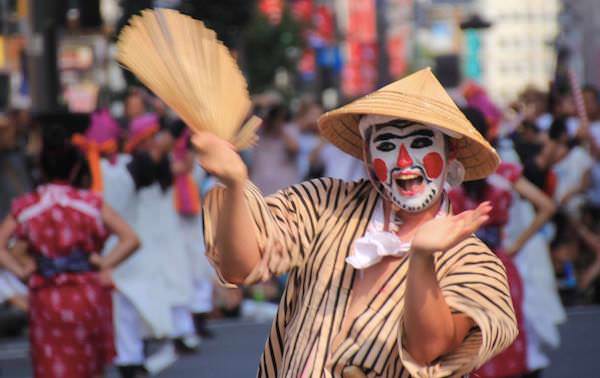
<point x="359" y="75"/>
<point x="397" y="48"/>
<point x="362" y="22"/>
<point x="399" y="15"/>
<point x="324" y="24"/>
<point x="303" y="10"/>
<point x="273" y="9"/>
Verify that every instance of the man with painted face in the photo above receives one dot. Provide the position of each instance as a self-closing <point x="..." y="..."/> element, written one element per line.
<point x="382" y="280"/>
<point x="408" y="159"/>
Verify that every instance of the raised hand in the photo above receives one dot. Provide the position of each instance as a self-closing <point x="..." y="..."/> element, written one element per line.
<point x="219" y="158"/>
<point x="443" y="233"/>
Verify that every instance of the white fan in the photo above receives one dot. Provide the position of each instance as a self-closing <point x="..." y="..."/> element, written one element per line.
<point x="184" y="64"/>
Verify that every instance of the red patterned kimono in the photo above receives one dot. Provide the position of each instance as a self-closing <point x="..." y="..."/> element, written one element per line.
<point x="71" y="331"/>
<point x="498" y="191"/>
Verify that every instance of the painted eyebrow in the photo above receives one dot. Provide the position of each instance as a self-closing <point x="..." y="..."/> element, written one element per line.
<point x="388" y="136"/>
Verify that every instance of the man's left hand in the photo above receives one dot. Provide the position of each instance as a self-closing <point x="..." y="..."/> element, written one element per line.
<point x="443" y="233"/>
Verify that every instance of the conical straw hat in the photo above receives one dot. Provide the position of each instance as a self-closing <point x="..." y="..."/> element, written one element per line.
<point x="421" y="98"/>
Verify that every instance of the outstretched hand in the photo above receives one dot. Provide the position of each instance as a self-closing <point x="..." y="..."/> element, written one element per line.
<point x="443" y="233"/>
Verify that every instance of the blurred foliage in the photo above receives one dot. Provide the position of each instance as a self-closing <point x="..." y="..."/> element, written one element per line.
<point x="268" y="48"/>
<point x="228" y="18"/>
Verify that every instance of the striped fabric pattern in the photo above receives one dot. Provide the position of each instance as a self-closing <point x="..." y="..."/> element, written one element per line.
<point x="308" y="231"/>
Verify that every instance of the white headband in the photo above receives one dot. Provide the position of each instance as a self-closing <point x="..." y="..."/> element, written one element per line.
<point x="369" y="120"/>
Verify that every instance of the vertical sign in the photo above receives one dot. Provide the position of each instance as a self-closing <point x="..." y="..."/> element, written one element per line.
<point x="399" y="33"/>
<point x="359" y="75"/>
<point x="472" y="67"/>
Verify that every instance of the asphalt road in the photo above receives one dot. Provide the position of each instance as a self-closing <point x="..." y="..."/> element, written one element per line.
<point x="235" y="351"/>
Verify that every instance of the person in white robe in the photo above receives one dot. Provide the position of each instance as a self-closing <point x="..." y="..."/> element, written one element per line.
<point x="542" y="308"/>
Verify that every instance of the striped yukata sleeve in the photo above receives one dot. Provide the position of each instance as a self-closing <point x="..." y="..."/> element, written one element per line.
<point x="473" y="282"/>
<point x="285" y="224"/>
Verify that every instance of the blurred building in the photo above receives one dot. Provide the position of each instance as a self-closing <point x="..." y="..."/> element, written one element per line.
<point x="440" y="39"/>
<point x="580" y="28"/>
<point x="518" y="50"/>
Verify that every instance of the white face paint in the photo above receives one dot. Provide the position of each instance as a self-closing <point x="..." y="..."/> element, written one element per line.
<point x="409" y="160"/>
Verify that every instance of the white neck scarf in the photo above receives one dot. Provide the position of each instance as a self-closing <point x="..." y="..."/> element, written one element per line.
<point x="378" y="243"/>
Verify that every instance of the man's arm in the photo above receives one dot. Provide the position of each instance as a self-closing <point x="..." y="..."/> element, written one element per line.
<point x="235" y="237"/>
<point x="236" y="242"/>
<point x="430" y="328"/>
<point x="544" y="207"/>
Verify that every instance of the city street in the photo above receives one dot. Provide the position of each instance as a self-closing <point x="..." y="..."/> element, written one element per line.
<point x="236" y="349"/>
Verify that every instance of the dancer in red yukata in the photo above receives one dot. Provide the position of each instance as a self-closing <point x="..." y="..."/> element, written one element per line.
<point x="71" y="330"/>
<point x="498" y="189"/>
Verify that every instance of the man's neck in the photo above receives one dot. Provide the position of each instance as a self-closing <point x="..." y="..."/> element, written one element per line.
<point x="410" y="221"/>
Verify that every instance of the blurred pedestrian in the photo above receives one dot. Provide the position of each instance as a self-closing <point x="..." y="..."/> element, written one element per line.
<point x="118" y="177"/>
<point x="14" y="174"/>
<point x="572" y="163"/>
<point x="305" y="131"/>
<point x="273" y="165"/>
<point x="186" y="190"/>
<point x="157" y="282"/>
<point x="502" y="189"/>
<point x="533" y="106"/>
<point x="65" y="228"/>
<point x="134" y="106"/>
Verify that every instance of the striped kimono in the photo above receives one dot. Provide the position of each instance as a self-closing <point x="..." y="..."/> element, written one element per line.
<point x="308" y="231"/>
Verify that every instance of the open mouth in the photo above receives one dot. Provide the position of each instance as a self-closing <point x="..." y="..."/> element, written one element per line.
<point x="409" y="184"/>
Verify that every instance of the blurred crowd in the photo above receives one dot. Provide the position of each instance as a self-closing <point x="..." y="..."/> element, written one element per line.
<point x="144" y="156"/>
<point x="558" y="148"/>
<point x="542" y="132"/>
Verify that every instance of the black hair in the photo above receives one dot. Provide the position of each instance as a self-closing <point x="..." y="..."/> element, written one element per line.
<point x="476" y="189"/>
<point x="558" y="128"/>
<point x="176" y="128"/>
<point x="564" y="231"/>
<point x="477" y="119"/>
<point x="275" y="114"/>
<point x="60" y="160"/>
<point x="529" y="126"/>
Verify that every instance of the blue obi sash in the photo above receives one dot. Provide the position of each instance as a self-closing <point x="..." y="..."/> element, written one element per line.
<point x="76" y="262"/>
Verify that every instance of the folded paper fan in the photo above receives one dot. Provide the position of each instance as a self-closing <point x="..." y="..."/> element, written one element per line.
<point x="184" y="64"/>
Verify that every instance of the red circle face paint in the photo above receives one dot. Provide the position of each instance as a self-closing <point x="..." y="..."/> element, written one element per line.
<point x="381" y="169"/>
<point x="433" y="164"/>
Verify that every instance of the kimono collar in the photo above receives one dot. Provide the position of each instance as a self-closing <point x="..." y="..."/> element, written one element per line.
<point x="379" y="242"/>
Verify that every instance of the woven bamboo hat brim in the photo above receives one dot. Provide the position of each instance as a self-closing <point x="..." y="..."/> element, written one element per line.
<point x="420" y="98"/>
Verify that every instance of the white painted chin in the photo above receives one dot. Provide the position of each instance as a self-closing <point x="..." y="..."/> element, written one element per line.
<point x="414" y="203"/>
